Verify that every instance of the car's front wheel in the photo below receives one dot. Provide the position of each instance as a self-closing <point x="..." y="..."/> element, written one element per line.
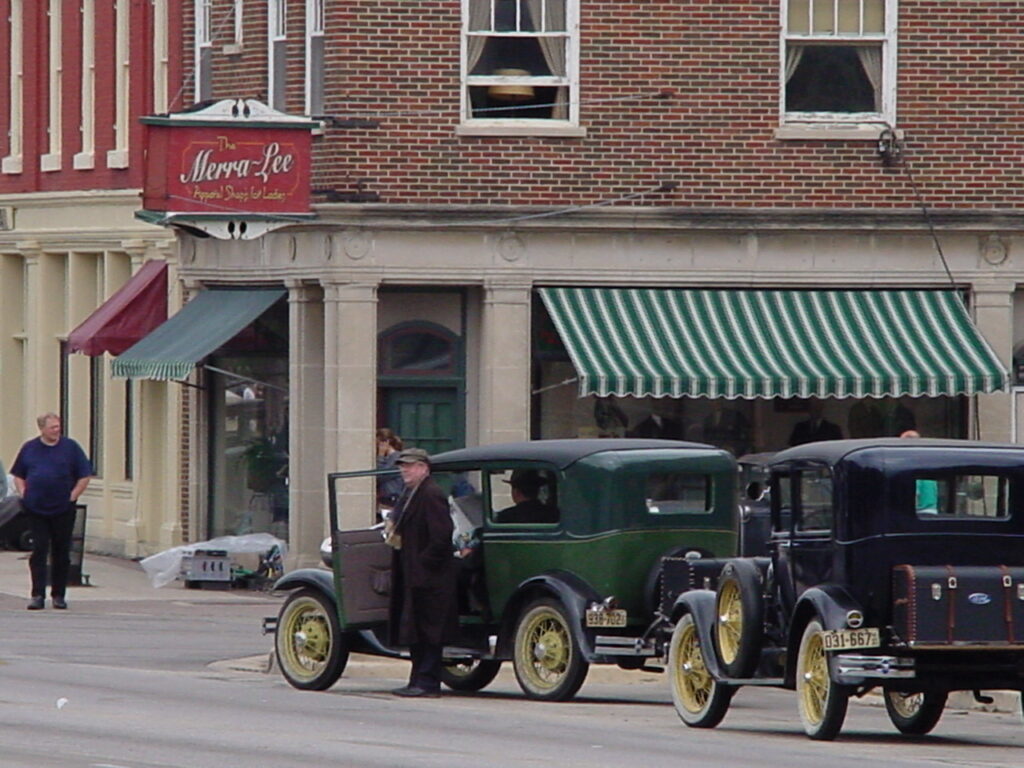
<point x="472" y="675"/>
<point x="311" y="650"/>
<point x="915" y="714"/>
<point x="821" y="700"/>
<point x="546" y="658"/>
<point x="699" y="699"/>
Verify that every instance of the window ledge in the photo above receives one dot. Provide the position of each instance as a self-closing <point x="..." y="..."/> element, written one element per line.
<point x="11" y="164"/>
<point x="832" y="131"/>
<point x="117" y="158"/>
<point x="232" y="49"/>
<point x="558" y="131"/>
<point x="83" y="161"/>
<point x="49" y="163"/>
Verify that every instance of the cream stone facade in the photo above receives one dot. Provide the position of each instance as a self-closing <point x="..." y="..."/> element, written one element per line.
<point x="62" y="255"/>
<point x="360" y="270"/>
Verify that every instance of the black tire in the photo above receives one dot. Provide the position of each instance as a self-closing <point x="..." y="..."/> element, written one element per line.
<point x="546" y="657"/>
<point x="699" y="699"/>
<point x="473" y="675"/>
<point x="822" y="702"/>
<point x="739" y="608"/>
<point x="24" y="540"/>
<point x="915" y="714"/>
<point x="311" y="650"/>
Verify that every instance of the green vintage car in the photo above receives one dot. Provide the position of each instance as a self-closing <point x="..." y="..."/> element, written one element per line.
<point x="568" y="580"/>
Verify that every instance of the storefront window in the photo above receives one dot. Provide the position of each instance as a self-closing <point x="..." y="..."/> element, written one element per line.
<point x="248" y="385"/>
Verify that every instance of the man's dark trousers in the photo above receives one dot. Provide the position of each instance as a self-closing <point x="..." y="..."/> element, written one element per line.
<point x="426" y="666"/>
<point x="51" y="535"/>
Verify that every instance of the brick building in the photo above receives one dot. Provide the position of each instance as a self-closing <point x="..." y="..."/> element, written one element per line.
<point x="546" y="218"/>
<point x="74" y="78"/>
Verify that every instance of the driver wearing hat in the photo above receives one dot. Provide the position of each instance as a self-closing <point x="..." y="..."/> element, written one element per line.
<point x="528" y="508"/>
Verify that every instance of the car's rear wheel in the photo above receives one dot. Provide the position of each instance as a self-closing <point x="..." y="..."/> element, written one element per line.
<point x="915" y="714"/>
<point x="546" y="658"/>
<point x="24" y="540"/>
<point x="311" y="650"/>
<point x="471" y="675"/>
<point x="739" y="607"/>
<point x="699" y="699"/>
<point x="821" y="700"/>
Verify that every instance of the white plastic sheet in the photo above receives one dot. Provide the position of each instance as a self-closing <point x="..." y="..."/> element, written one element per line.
<point x="164" y="567"/>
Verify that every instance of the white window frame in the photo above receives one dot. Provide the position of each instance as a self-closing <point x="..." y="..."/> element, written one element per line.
<point x="498" y="126"/>
<point x="85" y="158"/>
<point x="51" y="160"/>
<point x="277" y="41"/>
<point x="314" y="57"/>
<point x="801" y="125"/>
<point x="118" y="156"/>
<point x="203" y="50"/>
<point x="161" y="58"/>
<point x="235" y="46"/>
<point x="12" y="163"/>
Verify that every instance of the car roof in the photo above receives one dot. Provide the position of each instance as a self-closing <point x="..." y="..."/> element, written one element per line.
<point x="560" y="453"/>
<point x="834" y="451"/>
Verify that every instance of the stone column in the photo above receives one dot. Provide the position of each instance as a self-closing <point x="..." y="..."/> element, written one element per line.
<point x="306" y="423"/>
<point x="350" y="395"/>
<point x="505" y="363"/>
<point x="993" y="313"/>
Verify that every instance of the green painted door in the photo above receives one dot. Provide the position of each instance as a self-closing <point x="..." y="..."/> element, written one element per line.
<point x="426" y="417"/>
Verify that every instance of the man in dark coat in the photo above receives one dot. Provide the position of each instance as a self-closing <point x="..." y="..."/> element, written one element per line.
<point x="424" y="612"/>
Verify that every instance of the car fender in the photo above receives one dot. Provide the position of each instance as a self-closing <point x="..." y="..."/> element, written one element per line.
<point x="700" y="603"/>
<point x="314" y="578"/>
<point x="830" y="603"/>
<point x="566" y="587"/>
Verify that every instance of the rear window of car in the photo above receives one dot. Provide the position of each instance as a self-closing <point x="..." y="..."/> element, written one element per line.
<point x="962" y="497"/>
<point x="678" y="493"/>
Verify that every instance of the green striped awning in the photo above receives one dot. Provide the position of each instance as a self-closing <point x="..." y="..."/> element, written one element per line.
<point x="211" y="319"/>
<point x="772" y="343"/>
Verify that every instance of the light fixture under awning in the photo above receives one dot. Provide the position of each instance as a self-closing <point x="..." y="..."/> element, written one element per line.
<point x="772" y="343"/>
<point x="135" y="309"/>
<point x="211" y="319"/>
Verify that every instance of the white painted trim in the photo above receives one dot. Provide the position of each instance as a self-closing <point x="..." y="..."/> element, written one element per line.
<point x="49" y="162"/>
<point x="122" y="64"/>
<point x="84" y="161"/>
<point x="17" y="77"/>
<point x="55" y="64"/>
<point x="117" y="158"/>
<point x="11" y="164"/>
<point x="87" y="116"/>
<point x="558" y="129"/>
<point x="161" y="58"/>
<point x="315" y="23"/>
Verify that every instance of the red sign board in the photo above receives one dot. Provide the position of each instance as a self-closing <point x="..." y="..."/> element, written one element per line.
<point x="226" y="169"/>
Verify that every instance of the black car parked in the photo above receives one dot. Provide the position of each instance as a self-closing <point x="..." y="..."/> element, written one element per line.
<point x="892" y="564"/>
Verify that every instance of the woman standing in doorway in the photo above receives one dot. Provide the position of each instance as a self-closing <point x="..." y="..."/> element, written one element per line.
<point x="388" y="487"/>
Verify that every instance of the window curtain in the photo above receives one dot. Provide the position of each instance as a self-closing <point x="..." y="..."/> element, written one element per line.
<point x="794" y="53"/>
<point x="871" y="61"/>
<point x="479" y="19"/>
<point x="554" y="18"/>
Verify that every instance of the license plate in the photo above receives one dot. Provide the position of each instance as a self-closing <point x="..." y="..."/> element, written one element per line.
<point x="612" y="618"/>
<point x="846" y="639"/>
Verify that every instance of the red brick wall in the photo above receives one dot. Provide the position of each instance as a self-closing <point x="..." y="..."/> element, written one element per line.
<point x="958" y="102"/>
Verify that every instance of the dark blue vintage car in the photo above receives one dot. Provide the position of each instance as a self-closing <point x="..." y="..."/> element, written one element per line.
<point x="895" y="564"/>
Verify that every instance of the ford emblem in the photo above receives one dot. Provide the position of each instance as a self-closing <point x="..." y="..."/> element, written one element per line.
<point x="979" y="598"/>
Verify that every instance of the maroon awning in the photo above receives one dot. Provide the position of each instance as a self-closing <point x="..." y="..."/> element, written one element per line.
<point x="135" y="309"/>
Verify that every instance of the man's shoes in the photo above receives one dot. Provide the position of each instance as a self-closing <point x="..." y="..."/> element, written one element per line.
<point x="59" y="603"/>
<point x="36" y="604"/>
<point x="414" y="692"/>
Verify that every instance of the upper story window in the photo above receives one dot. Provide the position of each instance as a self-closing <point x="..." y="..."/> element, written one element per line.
<point x="838" y="62"/>
<point x="314" y="57"/>
<point x="204" y="50"/>
<point x="277" y="34"/>
<point x="520" y="64"/>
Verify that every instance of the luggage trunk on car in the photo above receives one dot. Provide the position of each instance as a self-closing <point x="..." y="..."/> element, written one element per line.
<point x="949" y="606"/>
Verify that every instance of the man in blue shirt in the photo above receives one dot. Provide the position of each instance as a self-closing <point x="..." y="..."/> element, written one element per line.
<point x="50" y="473"/>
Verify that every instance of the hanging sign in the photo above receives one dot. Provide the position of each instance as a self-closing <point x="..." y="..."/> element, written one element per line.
<point x="235" y="158"/>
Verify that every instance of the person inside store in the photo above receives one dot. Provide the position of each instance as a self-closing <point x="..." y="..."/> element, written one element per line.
<point x="423" y="610"/>
<point x="815" y="427"/>
<point x="727" y="428"/>
<point x="926" y="492"/>
<point x="389" y="487"/>
<point x="50" y="472"/>
<point x="526" y="485"/>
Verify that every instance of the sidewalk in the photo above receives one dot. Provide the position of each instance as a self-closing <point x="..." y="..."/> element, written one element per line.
<point x="115" y="578"/>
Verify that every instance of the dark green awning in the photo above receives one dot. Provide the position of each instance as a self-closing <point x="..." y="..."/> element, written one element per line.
<point x="204" y="324"/>
<point x="772" y="343"/>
